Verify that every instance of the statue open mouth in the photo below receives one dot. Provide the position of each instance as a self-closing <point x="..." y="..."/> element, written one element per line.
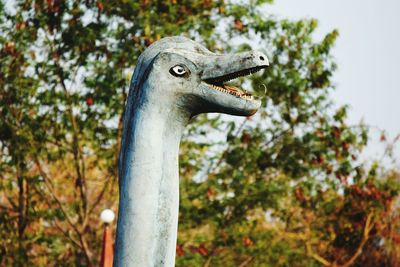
<point x="217" y="83"/>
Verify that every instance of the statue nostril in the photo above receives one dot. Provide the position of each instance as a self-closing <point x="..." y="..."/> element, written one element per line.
<point x="261" y="58"/>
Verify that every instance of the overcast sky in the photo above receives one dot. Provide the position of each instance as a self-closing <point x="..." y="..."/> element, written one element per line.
<point x="368" y="55"/>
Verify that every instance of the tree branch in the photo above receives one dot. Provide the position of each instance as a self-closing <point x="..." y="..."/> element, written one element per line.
<point x="77" y="153"/>
<point x="38" y="191"/>
<point x="213" y="166"/>
<point x="49" y="186"/>
<point x="246" y="262"/>
<point x="367" y="229"/>
<point x="317" y="257"/>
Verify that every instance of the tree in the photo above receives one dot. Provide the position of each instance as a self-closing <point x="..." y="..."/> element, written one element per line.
<point x="65" y="70"/>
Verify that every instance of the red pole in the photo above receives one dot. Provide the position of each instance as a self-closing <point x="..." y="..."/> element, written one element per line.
<point x="107" y="254"/>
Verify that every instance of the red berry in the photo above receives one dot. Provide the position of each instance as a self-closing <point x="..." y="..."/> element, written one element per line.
<point x="89" y="101"/>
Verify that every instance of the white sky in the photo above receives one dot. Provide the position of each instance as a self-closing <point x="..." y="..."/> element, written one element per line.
<point x="367" y="53"/>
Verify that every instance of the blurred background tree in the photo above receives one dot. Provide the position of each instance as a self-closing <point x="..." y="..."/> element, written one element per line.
<point x="282" y="188"/>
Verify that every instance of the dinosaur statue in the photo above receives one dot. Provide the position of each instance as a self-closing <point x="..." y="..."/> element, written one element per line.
<point x="174" y="80"/>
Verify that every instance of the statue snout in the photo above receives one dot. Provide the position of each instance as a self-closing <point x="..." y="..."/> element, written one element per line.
<point x="258" y="58"/>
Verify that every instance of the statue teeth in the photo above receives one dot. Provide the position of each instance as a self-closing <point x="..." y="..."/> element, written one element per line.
<point x="232" y="91"/>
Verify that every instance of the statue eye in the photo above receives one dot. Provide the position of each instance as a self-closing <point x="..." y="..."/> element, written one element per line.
<point x="179" y="71"/>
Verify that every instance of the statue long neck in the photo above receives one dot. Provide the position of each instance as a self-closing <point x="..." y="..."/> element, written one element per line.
<point x="149" y="187"/>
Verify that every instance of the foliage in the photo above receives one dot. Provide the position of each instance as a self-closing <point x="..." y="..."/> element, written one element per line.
<point x="283" y="188"/>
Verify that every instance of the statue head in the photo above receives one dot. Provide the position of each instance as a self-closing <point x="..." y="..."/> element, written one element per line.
<point x="178" y="71"/>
